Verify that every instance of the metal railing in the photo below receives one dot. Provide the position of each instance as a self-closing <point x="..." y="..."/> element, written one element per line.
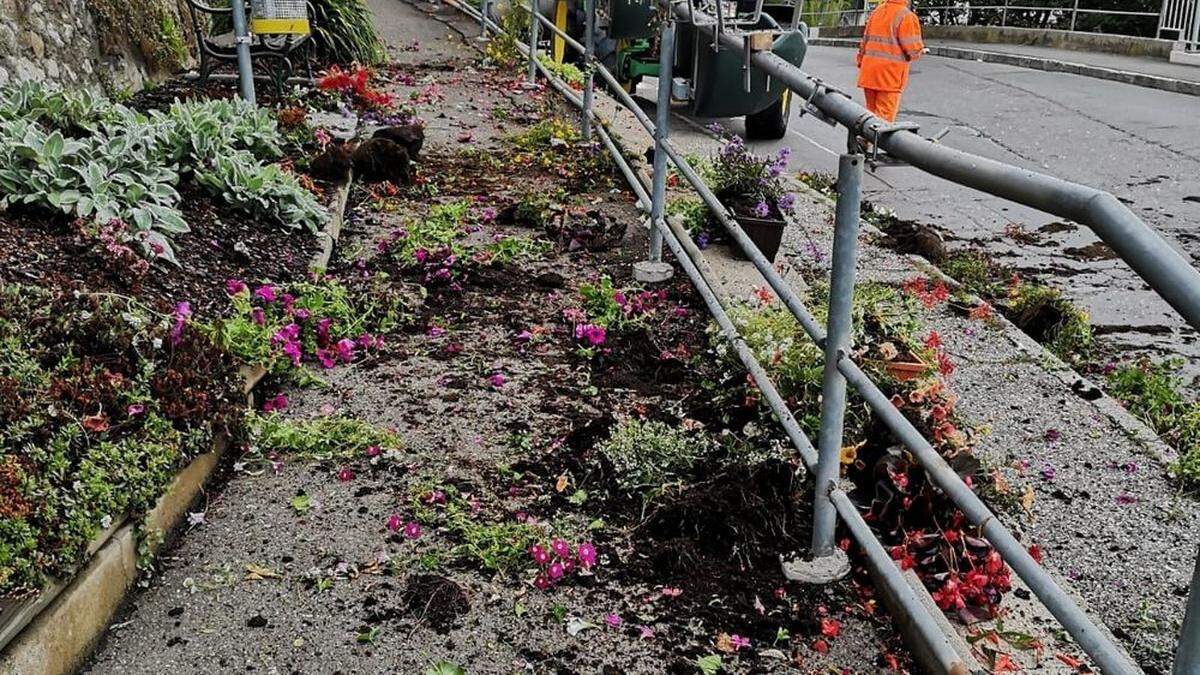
<point x="1164" y="269"/>
<point x="1182" y="18"/>
<point x="1024" y="15"/>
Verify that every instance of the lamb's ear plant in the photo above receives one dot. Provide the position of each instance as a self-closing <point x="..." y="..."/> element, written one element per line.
<point x="85" y="156"/>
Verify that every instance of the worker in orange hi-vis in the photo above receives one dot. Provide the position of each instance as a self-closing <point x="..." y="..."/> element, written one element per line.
<point x="891" y="41"/>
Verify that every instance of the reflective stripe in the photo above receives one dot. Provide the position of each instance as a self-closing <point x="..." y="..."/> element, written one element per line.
<point x="914" y="40"/>
<point x="889" y="40"/>
<point x="888" y="56"/>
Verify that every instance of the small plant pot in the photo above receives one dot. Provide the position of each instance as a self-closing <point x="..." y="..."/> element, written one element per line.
<point x="766" y="233"/>
<point x="905" y="371"/>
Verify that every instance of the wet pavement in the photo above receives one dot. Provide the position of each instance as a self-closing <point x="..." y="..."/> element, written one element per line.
<point x="1140" y="144"/>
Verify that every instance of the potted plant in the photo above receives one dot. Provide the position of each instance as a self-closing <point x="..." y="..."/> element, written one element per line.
<point x="753" y="189"/>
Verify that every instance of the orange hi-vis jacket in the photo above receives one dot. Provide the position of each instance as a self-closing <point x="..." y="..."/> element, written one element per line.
<point x="891" y="40"/>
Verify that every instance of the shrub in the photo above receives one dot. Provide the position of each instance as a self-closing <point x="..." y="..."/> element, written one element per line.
<point x="737" y="174"/>
<point x="649" y="456"/>
<point x="344" y="32"/>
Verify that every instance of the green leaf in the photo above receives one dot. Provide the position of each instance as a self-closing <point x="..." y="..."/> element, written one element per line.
<point x="302" y="503"/>
<point x="445" y="668"/>
<point x="709" y="665"/>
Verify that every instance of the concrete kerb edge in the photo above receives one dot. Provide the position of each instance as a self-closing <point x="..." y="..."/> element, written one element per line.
<point x="1037" y="63"/>
<point x="333" y="228"/>
<point x="61" y="635"/>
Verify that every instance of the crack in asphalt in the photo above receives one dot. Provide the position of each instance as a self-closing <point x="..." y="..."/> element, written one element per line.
<point x="1077" y="111"/>
<point x="955" y="122"/>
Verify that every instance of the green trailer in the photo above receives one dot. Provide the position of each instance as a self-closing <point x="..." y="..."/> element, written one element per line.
<point x="710" y="78"/>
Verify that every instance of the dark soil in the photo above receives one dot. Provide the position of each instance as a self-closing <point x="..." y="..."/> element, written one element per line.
<point x="46" y="250"/>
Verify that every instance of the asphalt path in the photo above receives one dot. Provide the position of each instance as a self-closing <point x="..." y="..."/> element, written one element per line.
<point x="1143" y="145"/>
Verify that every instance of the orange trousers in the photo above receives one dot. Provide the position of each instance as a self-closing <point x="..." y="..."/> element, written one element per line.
<point x="886" y="104"/>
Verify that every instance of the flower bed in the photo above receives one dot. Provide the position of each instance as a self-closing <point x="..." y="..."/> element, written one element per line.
<point x="103" y="401"/>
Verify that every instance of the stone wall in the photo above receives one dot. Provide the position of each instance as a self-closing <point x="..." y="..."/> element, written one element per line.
<point x="64" y="42"/>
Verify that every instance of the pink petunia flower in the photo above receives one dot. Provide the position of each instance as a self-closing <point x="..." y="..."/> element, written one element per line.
<point x="613" y="620"/>
<point x="394" y="523"/>
<point x="561" y="548"/>
<point x="346" y="474"/>
<point x="275" y="403"/>
<point x="345" y="350"/>
<point x="541" y="582"/>
<point x="135" y="409"/>
<point x="182" y="311"/>
<point x="412" y="530"/>
<point x="266" y="292"/>
<point x="555" y="570"/>
<point x="235" y="286"/>
<point x="587" y="555"/>
<point x="498" y="380"/>
<point x="539" y="554"/>
<point x="328" y="358"/>
<point x="739" y="642"/>
<point x="258" y="316"/>
<point x="373" y="451"/>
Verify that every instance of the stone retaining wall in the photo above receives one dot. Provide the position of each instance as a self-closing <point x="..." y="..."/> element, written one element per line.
<point x="65" y="42"/>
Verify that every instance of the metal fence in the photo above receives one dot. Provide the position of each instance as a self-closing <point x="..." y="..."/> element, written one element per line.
<point x="1180" y="20"/>
<point x="1160" y="266"/>
<point x="1054" y="14"/>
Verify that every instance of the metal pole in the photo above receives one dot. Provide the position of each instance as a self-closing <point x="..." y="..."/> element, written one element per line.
<point x="1187" y="654"/>
<point x="1004" y="15"/>
<point x="589" y="54"/>
<point x="837" y="343"/>
<point x="483" y="19"/>
<point x="662" y="130"/>
<point x="533" y="40"/>
<point x="241" y="34"/>
<point x="1074" y="13"/>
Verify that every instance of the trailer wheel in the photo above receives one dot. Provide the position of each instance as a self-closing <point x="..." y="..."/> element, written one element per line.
<point x="772" y="123"/>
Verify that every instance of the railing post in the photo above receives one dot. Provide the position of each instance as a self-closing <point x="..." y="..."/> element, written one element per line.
<point x="653" y="269"/>
<point x="241" y="33"/>
<point x="483" y="19"/>
<point x="837" y="342"/>
<point x="589" y="52"/>
<point x="1074" y="13"/>
<point x="1187" y="653"/>
<point x="533" y="40"/>
<point x="1004" y="15"/>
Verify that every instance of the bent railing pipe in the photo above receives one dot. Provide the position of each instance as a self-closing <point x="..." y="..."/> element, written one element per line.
<point x="1160" y="265"/>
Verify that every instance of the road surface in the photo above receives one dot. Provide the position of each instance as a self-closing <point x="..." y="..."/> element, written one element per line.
<point x="1143" y="145"/>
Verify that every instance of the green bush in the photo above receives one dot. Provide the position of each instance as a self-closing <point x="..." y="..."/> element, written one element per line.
<point x="649" y="456"/>
<point x="332" y="437"/>
<point x="344" y="32"/>
<point x="88" y="157"/>
<point x="1051" y="319"/>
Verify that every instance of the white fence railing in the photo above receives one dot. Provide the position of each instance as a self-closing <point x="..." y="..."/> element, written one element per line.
<point x="1180" y="20"/>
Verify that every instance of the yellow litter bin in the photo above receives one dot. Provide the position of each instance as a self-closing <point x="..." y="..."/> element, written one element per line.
<point x="279" y="17"/>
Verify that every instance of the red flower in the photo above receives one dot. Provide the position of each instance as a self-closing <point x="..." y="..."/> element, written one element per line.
<point x="830" y="627"/>
<point x="1035" y="552"/>
<point x="933" y="340"/>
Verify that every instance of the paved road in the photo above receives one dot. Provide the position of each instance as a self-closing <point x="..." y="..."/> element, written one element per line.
<point x="1141" y="144"/>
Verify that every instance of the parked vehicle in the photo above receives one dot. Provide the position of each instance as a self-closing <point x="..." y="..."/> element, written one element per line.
<point x="709" y="77"/>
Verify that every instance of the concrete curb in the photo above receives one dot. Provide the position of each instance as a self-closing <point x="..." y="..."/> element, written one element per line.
<point x="333" y="229"/>
<point x="1037" y="63"/>
<point x="55" y="633"/>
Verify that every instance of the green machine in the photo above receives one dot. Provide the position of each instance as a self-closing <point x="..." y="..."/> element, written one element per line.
<point x="711" y="78"/>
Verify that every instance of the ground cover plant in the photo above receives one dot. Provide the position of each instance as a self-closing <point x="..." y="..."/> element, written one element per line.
<point x="1154" y="392"/>
<point x="87" y="157"/>
<point x="102" y="402"/>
